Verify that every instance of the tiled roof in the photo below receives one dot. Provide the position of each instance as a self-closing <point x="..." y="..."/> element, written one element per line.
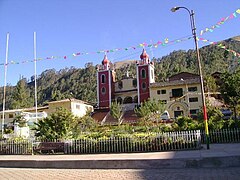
<point x="183" y="75"/>
<point x="99" y="115"/>
<point x="67" y="100"/>
<point x="176" y="82"/>
<point x="110" y="119"/>
<point x="104" y="116"/>
<point x="130" y="117"/>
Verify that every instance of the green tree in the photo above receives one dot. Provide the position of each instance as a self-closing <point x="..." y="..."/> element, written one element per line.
<point x="85" y="124"/>
<point x="150" y="107"/>
<point x="149" y="111"/>
<point x="144" y="110"/>
<point x="21" y="96"/>
<point x="230" y="90"/>
<point x="116" y="111"/>
<point x="215" y="120"/>
<point x="210" y="84"/>
<point x="59" y="125"/>
<point x="185" y="123"/>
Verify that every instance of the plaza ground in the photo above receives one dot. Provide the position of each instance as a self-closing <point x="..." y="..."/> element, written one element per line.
<point x="231" y="173"/>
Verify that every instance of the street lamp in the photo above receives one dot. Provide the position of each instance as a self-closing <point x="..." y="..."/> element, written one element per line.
<point x="193" y="28"/>
<point x="188" y="103"/>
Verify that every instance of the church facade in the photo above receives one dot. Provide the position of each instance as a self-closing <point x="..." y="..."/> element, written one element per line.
<point x="181" y="93"/>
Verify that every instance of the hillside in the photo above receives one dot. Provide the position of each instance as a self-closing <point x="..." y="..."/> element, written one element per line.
<point x="81" y="83"/>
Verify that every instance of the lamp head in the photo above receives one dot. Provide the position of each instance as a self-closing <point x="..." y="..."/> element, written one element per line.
<point x="174" y="9"/>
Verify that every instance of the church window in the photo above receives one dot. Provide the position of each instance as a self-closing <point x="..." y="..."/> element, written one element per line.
<point x="103" y="90"/>
<point x="143" y="73"/>
<point x="103" y="78"/>
<point x="144" y="86"/>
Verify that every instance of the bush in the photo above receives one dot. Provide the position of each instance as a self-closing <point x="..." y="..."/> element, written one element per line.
<point x="185" y="123"/>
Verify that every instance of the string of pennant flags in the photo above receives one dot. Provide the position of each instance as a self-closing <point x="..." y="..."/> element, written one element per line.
<point x="164" y="42"/>
<point x="220" y="45"/>
<point x="222" y="21"/>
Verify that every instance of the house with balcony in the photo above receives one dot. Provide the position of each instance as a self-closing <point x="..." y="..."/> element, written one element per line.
<point x="181" y="93"/>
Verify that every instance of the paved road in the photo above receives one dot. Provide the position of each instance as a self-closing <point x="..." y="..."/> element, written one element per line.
<point x="232" y="173"/>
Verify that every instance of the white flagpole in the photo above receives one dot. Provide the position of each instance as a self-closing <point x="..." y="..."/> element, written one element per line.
<point x="35" y="73"/>
<point x="5" y="83"/>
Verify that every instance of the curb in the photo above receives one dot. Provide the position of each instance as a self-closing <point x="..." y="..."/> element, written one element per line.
<point x="208" y="162"/>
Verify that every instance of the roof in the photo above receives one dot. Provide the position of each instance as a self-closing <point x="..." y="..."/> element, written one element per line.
<point x="25" y="109"/>
<point x="104" y="116"/>
<point x="109" y="119"/>
<point x="175" y="83"/>
<point x="184" y="76"/>
<point x="130" y="117"/>
<point x="69" y="100"/>
<point x="99" y="115"/>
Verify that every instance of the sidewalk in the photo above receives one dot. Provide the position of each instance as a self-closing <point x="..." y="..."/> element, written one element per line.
<point x="219" y="155"/>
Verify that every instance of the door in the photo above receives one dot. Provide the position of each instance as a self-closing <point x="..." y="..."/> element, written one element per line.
<point x="178" y="113"/>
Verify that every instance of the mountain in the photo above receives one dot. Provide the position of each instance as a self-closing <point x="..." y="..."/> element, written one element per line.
<point x="81" y="83"/>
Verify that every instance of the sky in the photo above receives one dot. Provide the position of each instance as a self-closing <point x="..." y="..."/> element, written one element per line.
<point x="64" y="27"/>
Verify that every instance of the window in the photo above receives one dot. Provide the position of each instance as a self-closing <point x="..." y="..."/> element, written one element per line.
<point x="10" y="115"/>
<point x="178" y="113"/>
<point x="77" y="106"/>
<point x="163" y="91"/>
<point x="103" y="78"/>
<point x="120" y="85"/>
<point x="143" y="72"/>
<point x="164" y="101"/>
<point x="194" y="99"/>
<point x="177" y="92"/>
<point x="119" y="100"/>
<point x="194" y="111"/>
<point x="134" y="83"/>
<point x="152" y="74"/>
<point x="144" y="86"/>
<point x="103" y="90"/>
<point x="192" y="89"/>
<point x="127" y="100"/>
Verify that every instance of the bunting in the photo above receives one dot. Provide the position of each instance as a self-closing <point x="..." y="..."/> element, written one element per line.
<point x="220" y="45"/>
<point x="142" y="45"/>
<point x="222" y="21"/>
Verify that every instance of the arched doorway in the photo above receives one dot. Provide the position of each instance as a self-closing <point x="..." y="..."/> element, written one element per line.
<point x="178" y="109"/>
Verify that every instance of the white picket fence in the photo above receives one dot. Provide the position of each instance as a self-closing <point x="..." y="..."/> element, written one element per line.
<point x="148" y="143"/>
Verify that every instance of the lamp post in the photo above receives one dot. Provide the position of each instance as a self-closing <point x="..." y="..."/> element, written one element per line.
<point x="188" y="103"/>
<point x="193" y="28"/>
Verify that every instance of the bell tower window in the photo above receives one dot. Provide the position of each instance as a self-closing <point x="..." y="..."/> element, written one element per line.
<point x="143" y="73"/>
<point x="103" y="90"/>
<point x="144" y="86"/>
<point x="103" y="78"/>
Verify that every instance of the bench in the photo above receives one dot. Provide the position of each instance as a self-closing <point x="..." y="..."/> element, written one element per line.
<point x="50" y="147"/>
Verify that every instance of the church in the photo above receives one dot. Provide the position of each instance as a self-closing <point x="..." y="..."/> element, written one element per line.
<point x="181" y="93"/>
